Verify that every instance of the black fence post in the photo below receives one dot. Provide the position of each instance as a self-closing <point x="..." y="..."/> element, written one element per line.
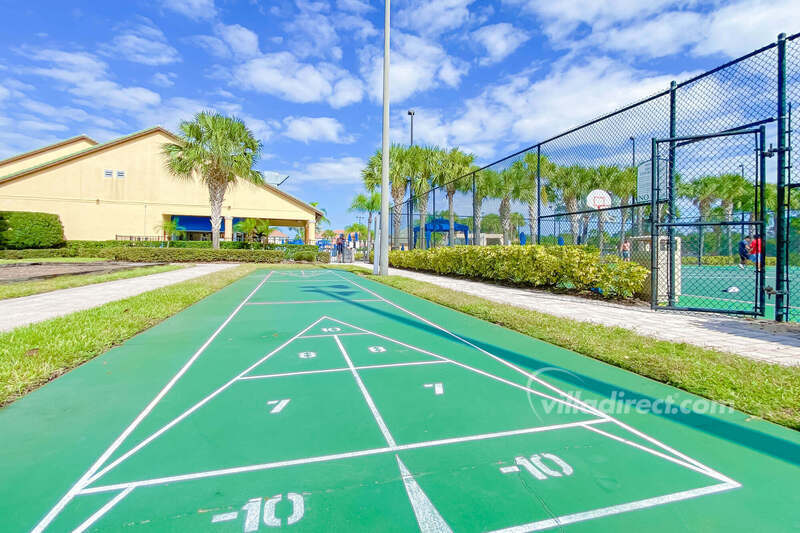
<point x="673" y="132"/>
<point x="432" y="244"/>
<point x="762" y="184"/>
<point x="538" y="194"/>
<point x="654" y="192"/>
<point x="476" y="231"/>
<point x="781" y="244"/>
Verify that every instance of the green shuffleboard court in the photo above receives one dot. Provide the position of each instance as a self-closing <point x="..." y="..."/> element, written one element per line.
<point x="316" y="400"/>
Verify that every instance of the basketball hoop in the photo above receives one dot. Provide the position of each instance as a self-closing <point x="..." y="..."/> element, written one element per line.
<point x="598" y="199"/>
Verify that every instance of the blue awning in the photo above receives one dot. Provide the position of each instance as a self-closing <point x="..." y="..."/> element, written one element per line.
<point x="190" y="223"/>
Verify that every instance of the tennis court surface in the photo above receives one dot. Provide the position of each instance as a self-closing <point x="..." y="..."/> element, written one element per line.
<point x="316" y="400"/>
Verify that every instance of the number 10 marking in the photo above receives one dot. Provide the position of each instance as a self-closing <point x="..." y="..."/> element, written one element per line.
<point x="252" y="508"/>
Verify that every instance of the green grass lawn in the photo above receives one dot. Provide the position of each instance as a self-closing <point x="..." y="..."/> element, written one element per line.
<point x="765" y="390"/>
<point x="54" y="260"/>
<point x="26" y="288"/>
<point x="30" y="356"/>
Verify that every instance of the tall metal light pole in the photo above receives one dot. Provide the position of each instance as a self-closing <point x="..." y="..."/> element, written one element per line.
<point x="411" y="114"/>
<point x="633" y="156"/>
<point x="384" y="259"/>
<point x="411" y="191"/>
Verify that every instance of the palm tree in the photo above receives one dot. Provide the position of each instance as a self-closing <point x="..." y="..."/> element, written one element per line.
<point x="533" y="162"/>
<point x="734" y="192"/>
<point x="702" y="194"/>
<point x="219" y="150"/>
<point x="170" y="229"/>
<point x="424" y="161"/>
<point x="604" y="177"/>
<point x="511" y="184"/>
<point x="324" y="218"/>
<point x="568" y="185"/>
<point x="483" y="183"/>
<point x="369" y="204"/>
<point x="254" y="229"/>
<point x="329" y="234"/>
<point x="623" y="187"/>
<point x="399" y="172"/>
<point x="457" y="165"/>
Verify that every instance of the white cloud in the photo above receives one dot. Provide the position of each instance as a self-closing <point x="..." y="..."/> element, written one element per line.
<point x="40" y="125"/>
<point x="87" y="78"/>
<point x="660" y="36"/>
<point x="4" y="93"/>
<point x="356" y="6"/>
<point x="242" y="41"/>
<point x="164" y="79"/>
<point x="142" y="43"/>
<point x="314" y="33"/>
<point x="434" y="17"/>
<point x="417" y="65"/>
<point x="331" y="170"/>
<point x="282" y="75"/>
<point x="213" y="45"/>
<point x="499" y="40"/>
<point x="316" y="129"/>
<point x="740" y="28"/>
<point x="194" y="9"/>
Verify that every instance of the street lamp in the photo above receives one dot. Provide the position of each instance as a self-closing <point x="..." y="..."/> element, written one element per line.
<point x="633" y="156"/>
<point x="411" y="114"/>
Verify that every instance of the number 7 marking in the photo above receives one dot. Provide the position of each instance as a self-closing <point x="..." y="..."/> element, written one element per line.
<point x="279" y="405"/>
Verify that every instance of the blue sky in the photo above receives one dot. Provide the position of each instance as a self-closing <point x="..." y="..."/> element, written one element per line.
<point x="489" y="77"/>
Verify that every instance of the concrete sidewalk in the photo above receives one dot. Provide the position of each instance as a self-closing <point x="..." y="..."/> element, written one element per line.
<point x="757" y="339"/>
<point x="16" y="312"/>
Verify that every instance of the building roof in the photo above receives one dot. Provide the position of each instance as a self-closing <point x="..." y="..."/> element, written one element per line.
<point x="115" y="142"/>
<point x="277" y="233"/>
<point x="59" y="144"/>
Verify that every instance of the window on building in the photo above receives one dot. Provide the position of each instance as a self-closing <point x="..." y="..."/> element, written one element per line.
<point x="120" y="173"/>
<point x="108" y="173"/>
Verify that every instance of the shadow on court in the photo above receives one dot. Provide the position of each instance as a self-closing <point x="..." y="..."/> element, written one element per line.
<point x="777" y="447"/>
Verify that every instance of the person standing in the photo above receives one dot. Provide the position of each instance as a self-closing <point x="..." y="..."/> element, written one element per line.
<point x="744" y="251"/>
<point x="626" y="250"/>
<point x="757" y="252"/>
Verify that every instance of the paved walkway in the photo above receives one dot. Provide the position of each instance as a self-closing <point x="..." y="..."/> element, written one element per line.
<point x="16" y="312"/>
<point x="757" y="339"/>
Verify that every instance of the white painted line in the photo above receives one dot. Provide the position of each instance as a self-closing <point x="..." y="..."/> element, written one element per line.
<point x="617" y="509"/>
<point x="509" y="469"/>
<point x="662" y="455"/>
<point x="711" y="472"/>
<point x="428" y="518"/>
<point x="86" y="478"/>
<point x="594" y="412"/>
<point x="335" y="457"/>
<point x="372" y="407"/>
<point x="329" y="370"/>
<point x="103" y="510"/>
<point x="299" y="302"/>
<point x="279" y="405"/>
<point x="196" y="406"/>
<point x="332" y="335"/>
<point x="224" y="517"/>
<point x="310" y="281"/>
<point x="438" y="388"/>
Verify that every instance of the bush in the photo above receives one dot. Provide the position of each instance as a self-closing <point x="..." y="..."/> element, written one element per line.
<point x="572" y="267"/>
<point x="190" y="255"/>
<point x="305" y="255"/>
<point x="323" y="257"/>
<point x="21" y="230"/>
<point x="38" y="253"/>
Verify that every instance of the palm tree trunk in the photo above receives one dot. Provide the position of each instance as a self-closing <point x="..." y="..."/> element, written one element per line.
<point x="505" y="218"/>
<point x="397" y="211"/>
<point x="533" y="220"/>
<point x="572" y="206"/>
<point x="423" y="219"/>
<point x="451" y="232"/>
<point x="216" y="195"/>
<point x="477" y="203"/>
<point x="601" y="230"/>
<point x="369" y="229"/>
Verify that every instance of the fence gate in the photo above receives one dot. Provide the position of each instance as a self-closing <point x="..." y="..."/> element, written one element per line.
<point x="707" y="200"/>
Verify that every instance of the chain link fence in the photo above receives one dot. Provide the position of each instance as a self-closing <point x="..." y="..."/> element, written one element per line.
<point x="589" y="185"/>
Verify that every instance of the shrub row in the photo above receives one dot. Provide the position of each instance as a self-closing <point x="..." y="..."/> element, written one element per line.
<point x="38" y="253"/>
<point x="570" y="267"/>
<point x="190" y="255"/>
<point x="324" y="257"/>
<point x="21" y="230"/>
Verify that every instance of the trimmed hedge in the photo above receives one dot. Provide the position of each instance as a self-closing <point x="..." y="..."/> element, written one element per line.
<point x="305" y="255"/>
<point x="20" y="230"/>
<point x="39" y="253"/>
<point x="190" y="255"/>
<point x="569" y="267"/>
<point x="91" y="247"/>
<point x="323" y="257"/>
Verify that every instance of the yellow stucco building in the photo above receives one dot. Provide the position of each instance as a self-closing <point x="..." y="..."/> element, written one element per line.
<point x="121" y="189"/>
